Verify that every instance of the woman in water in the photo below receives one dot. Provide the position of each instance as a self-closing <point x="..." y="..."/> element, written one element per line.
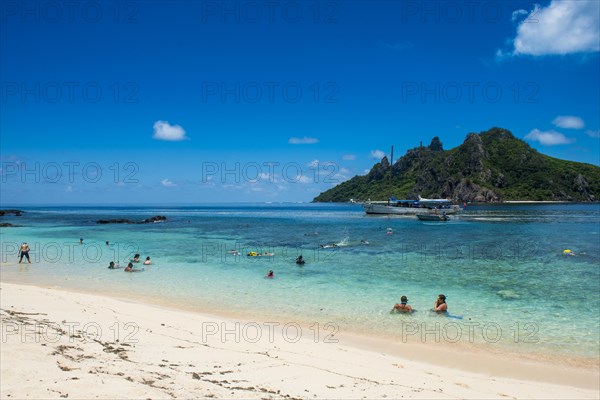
<point x="147" y="262"/>
<point x="440" y="305"/>
<point x="136" y="258"/>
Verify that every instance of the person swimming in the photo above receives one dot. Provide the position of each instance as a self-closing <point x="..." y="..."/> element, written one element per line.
<point x="136" y="258"/>
<point x="270" y="275"/>
<point x="147" y="262"/>
<point x="329" y="245"/>
<point x="112" y="265"/>
<point x="440" y="305"/>
<point x="403" y="307"/>
<point x="129" y="268"/>
<point x="300" y="260"/>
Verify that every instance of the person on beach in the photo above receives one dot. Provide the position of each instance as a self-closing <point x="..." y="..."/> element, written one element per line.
<point x="440" y="305"/>
<point x="403" y="307"/>
<point x="147" y="262"/>
<point x="136" y="258"/>
<point x="270" y="275"/>
<point x="24" y="252"/>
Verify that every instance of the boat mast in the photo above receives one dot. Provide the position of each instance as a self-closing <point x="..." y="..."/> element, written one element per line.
<point x="391" y="165"/>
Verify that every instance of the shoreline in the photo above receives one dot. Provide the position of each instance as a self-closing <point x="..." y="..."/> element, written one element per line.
<point x="361" y="335"/>
<point x="487" y="372"/>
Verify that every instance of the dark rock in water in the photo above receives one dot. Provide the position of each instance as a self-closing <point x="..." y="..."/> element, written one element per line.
<point x="158" y="218"/>
<point x="115" y="221"/>
<point x="16" y="213"/>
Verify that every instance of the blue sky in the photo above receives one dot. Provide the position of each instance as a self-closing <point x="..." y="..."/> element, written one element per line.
<point x="204" y="101"/>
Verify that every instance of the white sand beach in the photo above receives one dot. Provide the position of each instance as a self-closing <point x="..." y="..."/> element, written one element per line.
<point x="59" y="344"/>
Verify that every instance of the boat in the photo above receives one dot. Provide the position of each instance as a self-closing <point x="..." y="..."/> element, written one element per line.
<point x="411" y="207"/>
<point x="433" y="217"/>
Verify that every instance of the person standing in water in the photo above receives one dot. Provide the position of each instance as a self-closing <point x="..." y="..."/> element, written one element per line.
<point x="24" y="252"/>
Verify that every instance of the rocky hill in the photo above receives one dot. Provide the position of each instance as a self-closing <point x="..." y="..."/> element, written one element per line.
<point x="491" y="166"/>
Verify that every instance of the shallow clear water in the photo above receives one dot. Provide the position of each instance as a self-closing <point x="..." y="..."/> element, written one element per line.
<point x="502" y="268"/>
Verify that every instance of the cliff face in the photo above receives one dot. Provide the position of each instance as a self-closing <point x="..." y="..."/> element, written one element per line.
<point x="491" y="166"/>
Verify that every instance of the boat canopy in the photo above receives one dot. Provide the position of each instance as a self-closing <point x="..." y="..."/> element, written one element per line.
<point x="393" y="199"/>
<point x="421" y="201"/>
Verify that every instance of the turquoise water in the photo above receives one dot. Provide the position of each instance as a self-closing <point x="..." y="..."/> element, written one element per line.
<point x="502" y="268"/>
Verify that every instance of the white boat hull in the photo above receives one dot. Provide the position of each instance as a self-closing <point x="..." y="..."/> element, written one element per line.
<point x="371" y="208"/>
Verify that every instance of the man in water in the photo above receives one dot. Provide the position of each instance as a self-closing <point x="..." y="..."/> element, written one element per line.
<point x="24" y="252"/>
<point x="300" y="260"/>
<point x="403" y="307"/>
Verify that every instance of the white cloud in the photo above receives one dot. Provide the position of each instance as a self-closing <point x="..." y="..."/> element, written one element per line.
<point x="303" y="140"/>
<point x="377" y="154"/>
<point x="167" y="183"/>
<point x="517" y="14"/>
<point x="313" y="164"/>
<point x="593" y="134"/>
<point x="548" y="138"/>
<point x="302" y="179"/>
<point x="563" y="27"/>
<point x="568" y="122"/>
<point x="165" y="131"/>
<point x="349" y="157"/>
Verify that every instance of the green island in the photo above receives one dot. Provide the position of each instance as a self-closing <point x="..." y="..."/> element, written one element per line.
<point x="491" y="167"/>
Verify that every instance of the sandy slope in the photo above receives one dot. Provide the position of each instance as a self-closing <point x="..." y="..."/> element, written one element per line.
<point x="58" y="344"/>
